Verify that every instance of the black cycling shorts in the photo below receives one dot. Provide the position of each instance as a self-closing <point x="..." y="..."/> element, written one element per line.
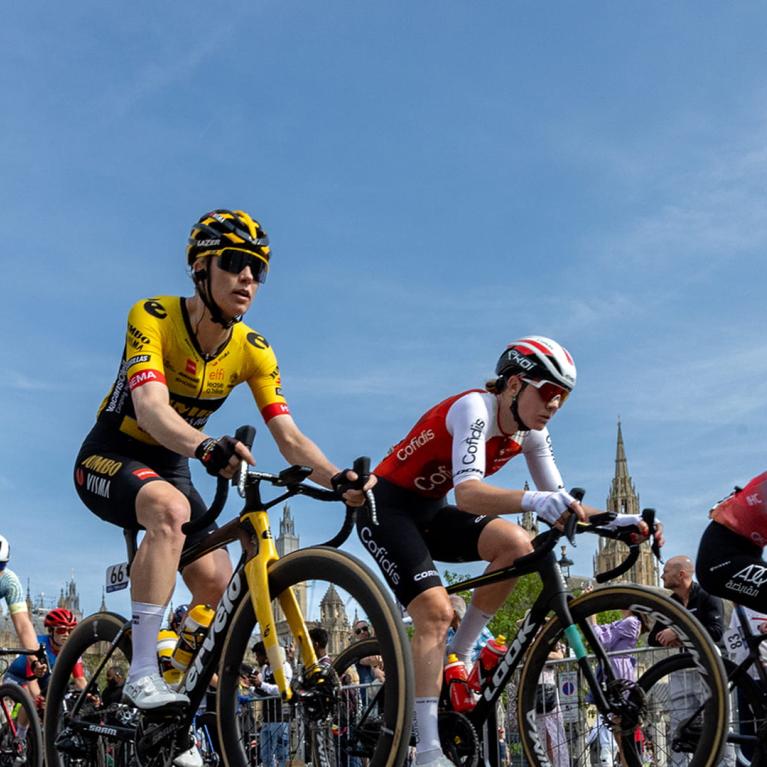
<point x="411" y="532"/>
<point x="730" y="566"/>
<point x="111" y="468"/>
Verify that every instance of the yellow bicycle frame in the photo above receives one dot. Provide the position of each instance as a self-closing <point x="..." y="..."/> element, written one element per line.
<point x="257" y="576"/>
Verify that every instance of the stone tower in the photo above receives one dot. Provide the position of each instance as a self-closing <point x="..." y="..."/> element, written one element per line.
<point x="70" y="599"/>
<point x="528" y="520"/>
<point x="286" y="542"/>
<point x="334" y="620"/>
<point x="624" y="499"/>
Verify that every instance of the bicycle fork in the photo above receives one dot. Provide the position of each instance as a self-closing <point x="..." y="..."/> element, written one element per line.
<point x="257" y="575"/>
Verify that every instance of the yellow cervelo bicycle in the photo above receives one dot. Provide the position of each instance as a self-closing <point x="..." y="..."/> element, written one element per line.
<point x="269" y="597"/>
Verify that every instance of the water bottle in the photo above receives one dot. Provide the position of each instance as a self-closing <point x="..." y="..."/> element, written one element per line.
<point x="489" y="657"/>
<point x="166" y="643"/>
<point x="191" y="636"/>
<point x="461" y="698"/>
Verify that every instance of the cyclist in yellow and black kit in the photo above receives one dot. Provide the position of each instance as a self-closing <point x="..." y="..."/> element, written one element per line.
<point x="182" y="358"/>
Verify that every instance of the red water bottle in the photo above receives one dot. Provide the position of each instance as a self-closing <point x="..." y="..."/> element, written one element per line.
<point x="489" y="657"/>
<point x="461" y="698"/>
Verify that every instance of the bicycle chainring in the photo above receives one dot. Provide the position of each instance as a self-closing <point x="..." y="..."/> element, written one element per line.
<point x="317" y="690"/>
<point x="158" y="741"/>
<point x="459" y="739"/>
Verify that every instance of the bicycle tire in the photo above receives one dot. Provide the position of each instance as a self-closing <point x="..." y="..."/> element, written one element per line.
<point x="13" y="751"/>
<point x="634" y="735"/>
<point x="345" y="572"/>
<point x="98" y="629"/>
<point x="747" y="705"/>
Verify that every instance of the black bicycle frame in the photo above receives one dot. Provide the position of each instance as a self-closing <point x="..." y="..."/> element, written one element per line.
<point x="553" y="598"/>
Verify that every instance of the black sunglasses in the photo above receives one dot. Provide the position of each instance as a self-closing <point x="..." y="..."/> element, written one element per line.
<point x="234" y="261"/>
<point x="361" y="629"/>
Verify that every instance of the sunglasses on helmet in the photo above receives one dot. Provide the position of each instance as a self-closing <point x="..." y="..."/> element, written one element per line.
<point x="547" y="390"/>
<point x="234" y="261"/>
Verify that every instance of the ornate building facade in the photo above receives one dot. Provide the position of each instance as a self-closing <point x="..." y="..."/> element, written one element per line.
<point x="623" y="499"/>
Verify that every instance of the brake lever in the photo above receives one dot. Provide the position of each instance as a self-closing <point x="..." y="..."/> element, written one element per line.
<point x="572" y="521"/>
<point x="246" y="435"/>
<point x="648" y="516"/>
<point x="361" y="467"/>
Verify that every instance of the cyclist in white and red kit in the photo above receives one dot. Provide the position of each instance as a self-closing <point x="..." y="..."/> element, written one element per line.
<point x="455" y="445"/>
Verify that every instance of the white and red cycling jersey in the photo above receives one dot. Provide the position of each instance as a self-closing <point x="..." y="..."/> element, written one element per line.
<point x="460" y="439"/>
<point x="745" y="511"/>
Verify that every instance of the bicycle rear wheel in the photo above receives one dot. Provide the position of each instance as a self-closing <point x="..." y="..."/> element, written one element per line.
<point x="628" y="731"/>
<point x="17" y="751"/>
<point x="332" y="587"/>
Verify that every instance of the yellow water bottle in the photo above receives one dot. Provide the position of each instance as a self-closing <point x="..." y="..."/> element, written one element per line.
<point x="166" y="643"/>
<point x="191" y="636"/>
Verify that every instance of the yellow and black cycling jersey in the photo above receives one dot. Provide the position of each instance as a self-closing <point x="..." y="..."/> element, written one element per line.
<point x="161" y="346"/>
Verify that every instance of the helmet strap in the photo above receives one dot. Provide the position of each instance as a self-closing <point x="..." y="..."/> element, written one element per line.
<point x="202" y="281"/>
<point x="521" y="426"/>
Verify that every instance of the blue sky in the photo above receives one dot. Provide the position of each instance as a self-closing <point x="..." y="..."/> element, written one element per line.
<point x="437" y="178"/>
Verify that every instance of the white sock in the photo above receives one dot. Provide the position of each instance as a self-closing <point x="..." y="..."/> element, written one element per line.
<point x="21" y="731"/>
<point x="468" y="633"/>
<point x="147" y="620"/>
<point x="427" y="747"/>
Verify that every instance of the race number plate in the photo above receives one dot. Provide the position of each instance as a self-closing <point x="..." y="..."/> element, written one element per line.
<point x="117" y="577"/>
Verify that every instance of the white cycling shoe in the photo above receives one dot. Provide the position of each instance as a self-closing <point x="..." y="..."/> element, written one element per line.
<point x="151" y="692"/>
<point x="190" y="758"/>
<point x="440" y="761"/>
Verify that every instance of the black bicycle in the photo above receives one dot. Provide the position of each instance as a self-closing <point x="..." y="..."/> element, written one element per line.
<point x="472" y="737"/>
<point x="270" y="597"/>
<point x="16" y="703"/>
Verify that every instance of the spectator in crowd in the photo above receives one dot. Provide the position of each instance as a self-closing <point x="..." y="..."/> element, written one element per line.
<point x="275" y="737"/>
<point x="369" y="669"/>
<point x="319" y="639"/>
<point x="113" y="689"/>
<point x="684" y="689"/>
<point x="549" y="712"/>
<point x="620" y="635"/>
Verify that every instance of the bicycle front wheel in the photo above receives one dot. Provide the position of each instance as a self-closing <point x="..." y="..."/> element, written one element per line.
<point x="747" y="712"/>
<point x="332" y="588"/>
<point x="627" y="732"/>
<point x="80" y="733"/>
<point x="17" y="707"/>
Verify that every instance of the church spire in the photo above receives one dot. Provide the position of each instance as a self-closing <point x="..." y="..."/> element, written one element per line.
<point x="621" y="466"/>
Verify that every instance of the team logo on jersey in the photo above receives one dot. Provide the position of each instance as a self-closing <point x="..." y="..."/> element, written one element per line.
<point x="156" y="309"/>
<point x="191" y="367"/>
<point x="426" y="436"/>
<point x="144" y="377"/>
<point x="100" y="465"/>
<point x="431" y="482"/>
<point x="472" y="442"/>
<point x="380" y="554"/>
<point x="258" y="341"/>
<point x="144" y="474"/>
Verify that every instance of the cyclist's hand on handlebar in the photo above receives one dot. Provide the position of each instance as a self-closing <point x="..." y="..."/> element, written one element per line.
<point x="552" y="507"/>
<point x="345" y="484"/>
<point x="635" y="528"/>
<point x="223" y="456"/>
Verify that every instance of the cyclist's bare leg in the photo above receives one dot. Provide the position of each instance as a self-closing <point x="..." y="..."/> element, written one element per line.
<point x="500" y="544"/>
<point x="161" y="509"/>
<point x="431" y="612"/>
<point x="207" y="577"/>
